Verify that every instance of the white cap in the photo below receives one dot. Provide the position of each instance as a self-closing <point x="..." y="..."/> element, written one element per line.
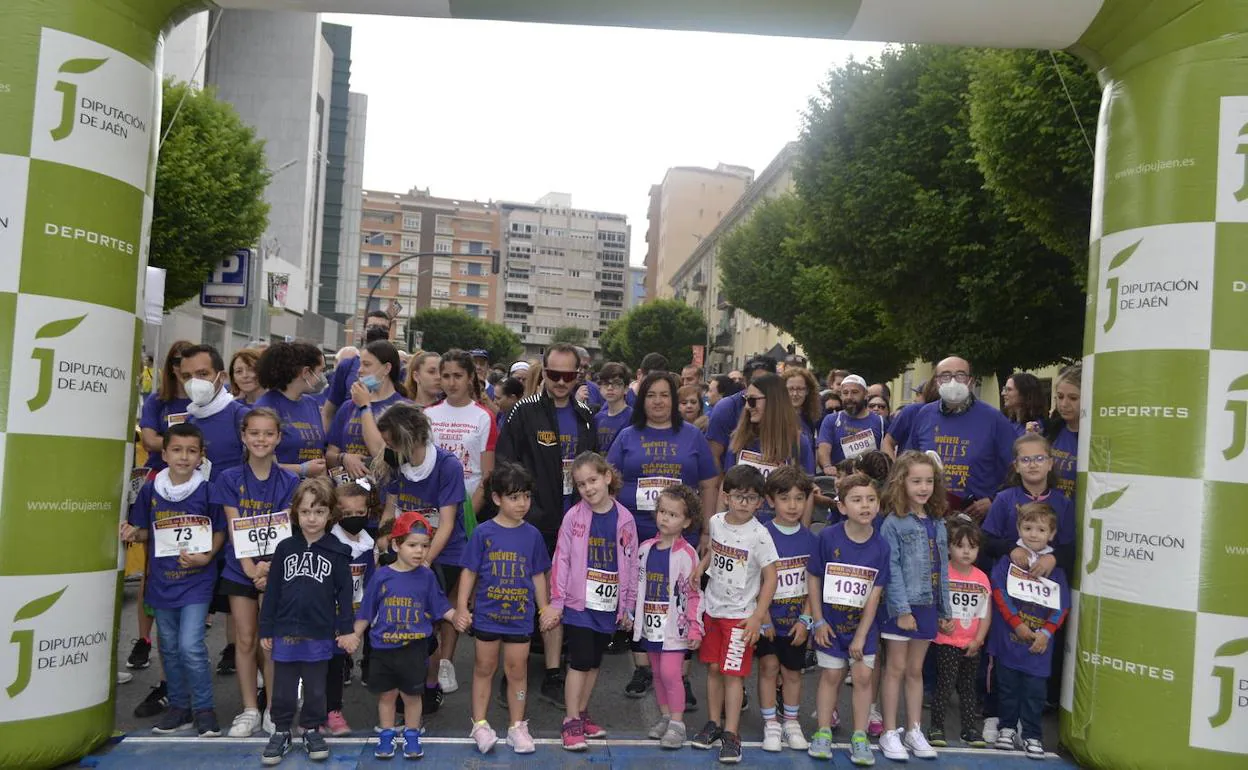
<point x="854" y="379"/>
<point x="519" y="367"/>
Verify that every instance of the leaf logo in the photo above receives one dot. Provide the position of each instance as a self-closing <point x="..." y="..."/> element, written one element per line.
<point x="1241" y="194"/>
<point x="81" y="66"/>
<point x="1111" y="285"/>
<point x="1239" y="418"/>
<point x="1100" y="503"/>
<point x="25" y="639"/>
<point x="69" y="93"/>
<point x="47" y="358"/>
<point x="1226" y="680"/>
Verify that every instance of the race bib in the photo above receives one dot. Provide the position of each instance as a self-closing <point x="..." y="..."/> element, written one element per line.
<point x="137" y="478"/>
<point x="728" y="564"/>
<point x="568" y="486"/>
<point x="205" y="468"/>
<point x="183" y="534"/>
<point x="755" y="459"/>
<point x="177" y="419"/>
<point x="847" y="585"/>
<point x="648" y="490"/>
<point x="1026" y="587"/>
<point x="967" y="601"/>
<point x="791" y="578"/>
<point x="653" y="620"/>
<point x="858" y="444"/>
<point x="433" y="516"/>
<point x="258" y="535"/>
<point x="602" y="590"/>
<point x="357" y="583"/>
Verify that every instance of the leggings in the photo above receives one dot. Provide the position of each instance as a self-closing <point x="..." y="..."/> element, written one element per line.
<point x="669" y="687"/>
<point x="954" y="671"/>
<point x="333" y="685"/>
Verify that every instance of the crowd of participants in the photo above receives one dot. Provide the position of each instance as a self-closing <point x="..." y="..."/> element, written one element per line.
<point x="370" y="519"/>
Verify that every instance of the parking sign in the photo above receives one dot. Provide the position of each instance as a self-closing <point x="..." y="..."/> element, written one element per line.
<point x="227" y="283"/>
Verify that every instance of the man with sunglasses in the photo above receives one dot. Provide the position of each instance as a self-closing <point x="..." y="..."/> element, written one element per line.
<point x="727" y="413"/>
<point x="975" y="442"/>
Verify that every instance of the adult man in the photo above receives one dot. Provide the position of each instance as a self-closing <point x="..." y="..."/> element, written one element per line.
<point x="975" y="442"/>
<point x="588" y="390"/>
<point x="544" y="433"/>
<point x="879" y="390"/>
<point x="720" y="387"/>
<point x="213" y="408"/>
<point x="851" y="432"/>
<point x="376" y="327"/>
<point x="736" y="376"/>
<point x="691" y="375"/>
<point x="727" y="413"/>
<point x="652" y="362"/>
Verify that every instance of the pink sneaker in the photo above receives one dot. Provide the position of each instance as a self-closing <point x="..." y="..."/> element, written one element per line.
<point x="591" y="729"/>
<point x="875" y="723"/>
<point x="335" y="725"/>
<point x="573" y="734"/>
<point x="485" y="736"/>
<point x="520" y="740"/>
<point x="836" y="718"/>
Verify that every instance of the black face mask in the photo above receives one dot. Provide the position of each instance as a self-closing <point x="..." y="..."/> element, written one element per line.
<point x="391" y="457"/>
<point x="374" y="332"/>
<point x="353" y="525"/>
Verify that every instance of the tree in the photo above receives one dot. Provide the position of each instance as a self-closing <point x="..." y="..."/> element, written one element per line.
<point x="664" y="326"/>
<point x="573" y="335"/>
<point x="210" y="181"/>
<point x="614" y="343"/>
<point x="446" y="328"/>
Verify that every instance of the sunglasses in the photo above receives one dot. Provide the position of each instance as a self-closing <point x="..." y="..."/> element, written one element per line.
<point x="752" y="401"/>
<point x="878" y="405"/>
<point x="557" y="376"/>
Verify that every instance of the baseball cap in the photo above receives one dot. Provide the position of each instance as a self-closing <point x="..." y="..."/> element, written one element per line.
<point x="518" y="367"/>
<point x="408" y="522"/>
<point x="762" y="362"/>
<point x="479" y="353"/>
<point x="854" y="379"/>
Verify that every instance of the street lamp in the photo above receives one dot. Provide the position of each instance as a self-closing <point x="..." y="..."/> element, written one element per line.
<point x="368" y="303"/>
<point x="256" y="277"/>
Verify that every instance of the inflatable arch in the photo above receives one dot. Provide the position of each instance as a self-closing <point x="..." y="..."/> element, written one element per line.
<point x="1158" y="673"/>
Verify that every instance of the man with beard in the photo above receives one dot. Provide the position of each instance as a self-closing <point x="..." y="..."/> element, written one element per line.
<point x="376" y="327"/>
<point x="974" y="441"/>
<point x="851" y="432"/>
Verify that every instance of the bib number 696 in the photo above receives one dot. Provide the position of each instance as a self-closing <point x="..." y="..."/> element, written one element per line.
<point x="721" y="562"/>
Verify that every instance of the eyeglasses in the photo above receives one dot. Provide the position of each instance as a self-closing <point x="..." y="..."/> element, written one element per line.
<point x="752" y="401"/>
<point x="798" y="391"/>
<point x="740" y="499"/>
<point x="878" y="405"/>
<point x="612" y="384"/>
<point x="945" y="377"/>
<point x="1033" y="459"/>
<point x="555" y="375"/>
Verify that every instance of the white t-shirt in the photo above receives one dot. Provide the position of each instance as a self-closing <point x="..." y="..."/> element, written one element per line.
<point x="738" y="554"/>
<point x="466" y="432"/>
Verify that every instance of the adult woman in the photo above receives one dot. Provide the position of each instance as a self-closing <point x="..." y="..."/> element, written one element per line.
<point x="424" y="379"/>
<point x="1063" y="427"/>
<point x="244" y="383"/>
<point x="803" y="391"/>
<point x="879" y="406"/>
<point x="768" y="435"/>
<point x="292" y="372"/>
<point x="533" y="380"/>
<point x="353" y="438"/>
<point x="164" y="407"/>
<point x="1022" y="400"/>
<point x="690" y="405"/>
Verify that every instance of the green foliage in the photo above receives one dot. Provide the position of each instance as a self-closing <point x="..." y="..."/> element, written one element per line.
<point x="210" y="181"/>
<point x="573" y="335"/>
<point x="665" y="326"/>
<point x="614" y="344"/>
<point x="446" y="328"/>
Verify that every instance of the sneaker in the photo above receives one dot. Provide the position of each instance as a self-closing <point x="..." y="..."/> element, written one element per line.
<point x="140" y="654"/>
<point x="793" y="735"/>
<point x="385" y="744"/>
<point x="124" y="677"/>
<point x="225" y="666"/>
<point x="173" y="721"/>
<point x="707" y="736"/>
<point x="276" y="748"/>
<point x="691" y="703"/>
<point x="972" y="738"/>
<point x="245" y="724"/>
<point x="336" y="725"/>
<point x="618" y="644"/>
<point x="206" y="724"/>
<point x="773" y="736"/>
<point x="446" y="676"/>
<point x="266" y="723"/>
<point x="314" y="743"/>
<point x="573" y="735"/>
<point x="157" y="700"/>
<point x="917" y="743"/>
<point x="990" y="729"/>
<point x="1005" y="739"/>
<point x="411" y="744"/>
<point x="860" y="750"/>
<point x="729" y="749"/>
<point x="673" y="736"/>
<point x="552" y="690"/>
<point x="592" y="729"/>
<point x="836" y="719"/>
<point x="639" y="685"/>
<point x="891" y="746"/>
<point x="936" y="737"/>
<point x="659" y="728"/>
<point x="875" y="722"/>
<point x="432" y="700"/>
<point x="484" y="736"/>
<point x="398" y="725"/>
<point x="821" y="744"/>
<point x="520" y="740"/>
<point x="1034" y="748"/>
<point x="262" y="699"/>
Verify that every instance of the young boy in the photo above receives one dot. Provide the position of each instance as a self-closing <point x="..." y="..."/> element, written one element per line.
<point x="957" y="653"/>
<point x="741" y="570"/>
<point x="400" y="606"/>
<point x="1029" y="610"/>
<point x="782" y="649"/>
<point x="847" y="575"/>
<point x="184" y="532"/>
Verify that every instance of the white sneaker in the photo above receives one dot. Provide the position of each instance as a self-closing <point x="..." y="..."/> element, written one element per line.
<point x="793" y="735"/>
<point x="124" y="677"/>
<point x="990" y="729"/>
<point x="916" y="742"/>
<point x="1005" y="739"/>
<point x="245" y="724"/>
<point x="772" y="735"/>
<point x="1034" y="748"/>
<point x="891" y="745"/>
<point x="267" y="723"/>
<point x="446" y="676"/>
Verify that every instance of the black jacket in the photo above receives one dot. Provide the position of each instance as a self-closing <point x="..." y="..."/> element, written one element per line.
<point x="309" y="590"/>
<point x="526" y="438"/>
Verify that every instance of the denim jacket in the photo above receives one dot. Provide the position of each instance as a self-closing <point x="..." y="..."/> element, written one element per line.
<point x="910" y="566"/>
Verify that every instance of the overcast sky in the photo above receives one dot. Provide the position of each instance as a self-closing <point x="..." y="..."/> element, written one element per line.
<point x="492" y="110"/>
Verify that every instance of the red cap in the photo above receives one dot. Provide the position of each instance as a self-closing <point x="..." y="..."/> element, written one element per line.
<point x="409" y="521"/>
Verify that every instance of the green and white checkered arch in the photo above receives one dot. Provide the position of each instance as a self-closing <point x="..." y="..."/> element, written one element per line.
<point x="1157" y="672"/>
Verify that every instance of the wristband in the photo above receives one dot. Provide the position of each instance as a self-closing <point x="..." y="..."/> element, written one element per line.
<point x="818" y="623"/>
<point x="303" y="470"/>
<point x="807" y="620"/>
<point x="765" y="625"/>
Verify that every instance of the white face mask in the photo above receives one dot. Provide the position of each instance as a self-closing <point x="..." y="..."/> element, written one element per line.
<point x="954" y="392"/>
<point x="201" y="392"/>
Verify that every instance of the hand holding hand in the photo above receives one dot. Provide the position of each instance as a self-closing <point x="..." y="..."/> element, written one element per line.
<point x="906" y="622"/>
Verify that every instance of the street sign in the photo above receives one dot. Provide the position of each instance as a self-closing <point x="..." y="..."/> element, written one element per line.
<point x="227" y="283"/>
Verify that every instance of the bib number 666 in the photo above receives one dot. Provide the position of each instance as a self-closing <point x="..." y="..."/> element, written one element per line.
<point x="262" y="534"/>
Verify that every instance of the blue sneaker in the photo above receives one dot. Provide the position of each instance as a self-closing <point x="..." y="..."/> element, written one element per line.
<point x="385" y="744"/>
<point x="411" y="744"/>
<point x="821" y="744"/>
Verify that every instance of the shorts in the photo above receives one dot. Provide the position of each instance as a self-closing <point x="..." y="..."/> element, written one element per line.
<point x="448" y="578"/>
<point x="220" y="602"/>
<point x="925" y="619"/>
<point x="834" y="662"/>
<point x="487" y="636"/>
<point x="791" y="658"/>
<point x="723" y="645"/>
<point x="245" y="590"/>
<point x="639" y="646"/>
<point x="585" y="647"/>
<point x="399" y="668"/>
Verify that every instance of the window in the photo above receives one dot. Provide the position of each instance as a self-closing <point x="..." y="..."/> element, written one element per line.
<point x="475" y="226"/>
<point x="378" y="239"/>
<point x="412" y="221"/>
<point x="472" y="310"/>
<point x="443" y="245"/>
<point x="444" y="225"/>
<point x="441" y="289"/>
<point x="475" y="247"/>
<point x="376" y="260"/>
<point x="442" y="267"/>
<point x="410" y="244"/>
<point x="554" y="232"/>
<point x="522" y="229"/>
<point x="471" y="268"/>
<point x="475" y="290"/>
<point x="385" y="217"/>
<point x="379" y="285"/>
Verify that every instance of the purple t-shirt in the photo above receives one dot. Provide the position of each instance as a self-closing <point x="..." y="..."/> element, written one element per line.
<point x="347" y="430"/>
<point x="600" y="556"/>
<point x="401" y="607"/>
<point x="724" y="418"/>
<point x="839" y="426"/>
<point x="659" y="453"/>
<point x="751" y="455"/>
<point x="794" y="551"/>
<point x="505" y="559"/>
<point x="169" y="586"/>
<point x="1002" y="518"/>
<point x="856" y="562"/>
<point x="902" y="424"/>
<point x="155" y="415"/>
<point x="223" y="436"/>
<point x="658" y="586"/>
<point x="239" y="488"/>
<point x="1006" y="649"/>
<point x="1065" y="460"/>
<point x="345" y="375"/>
<point x="609" y="426"/>
<point x="568" y="433"/>
<point x="303" y="437"/>
<point x="976" y="446"/>
<point x="443" y="486"/>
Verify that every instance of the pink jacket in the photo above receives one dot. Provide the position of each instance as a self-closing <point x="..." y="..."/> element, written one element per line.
<point x="570" y="567"/>
<point x="684" y="613"/>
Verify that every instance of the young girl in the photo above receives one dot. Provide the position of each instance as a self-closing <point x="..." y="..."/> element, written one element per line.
<point x="667" y="611"/>
<point x="1032" y="479"/>
<point x="592" y="581"/>
<point x="308" y="608"/>
<point x="424" y="379"/>
<point x="353" y="437"/>
<point x="256" y="497"/>
<point x="292" y="373"/>
<point x="1063" y="429"/>
<point x="768" y="436"/>
<point x="917" y="594"/>
<point x="504" y="577"/>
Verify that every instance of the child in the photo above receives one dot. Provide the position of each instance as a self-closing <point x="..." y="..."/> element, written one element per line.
<point x="957" y="652"/>
<point x="741" y="567"/>
<point x="783" y="642"/>
<point x="592" y="577"/>
<point x="1031" y="479"/>
<point x="616" y="414"/>
<point x="505" y="566"/>
<point x="401" y="603"/>
<point x="308" y="605"/>
<point x="917" y="594"/>
<point x="184" y="530"/>
<point x="848" y="572"/>
<point x="669" y="605"/>
<point x="353" y="512"/>
<point x="1029" y="611"/>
